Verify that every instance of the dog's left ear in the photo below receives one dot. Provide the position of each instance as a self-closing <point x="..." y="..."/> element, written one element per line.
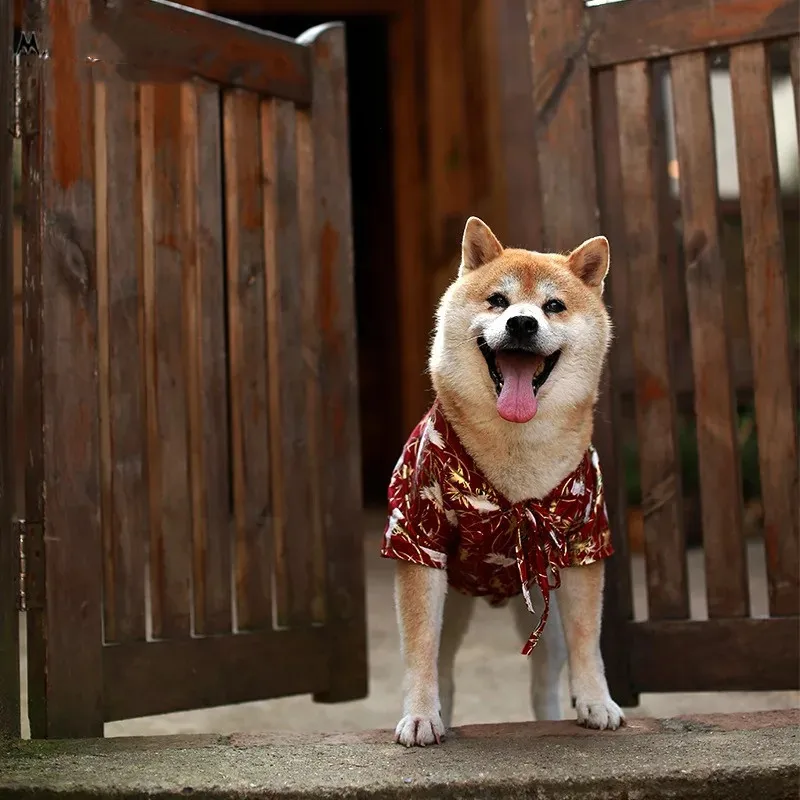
<point x="478" y="247"/>
<point x="590" y="262"/>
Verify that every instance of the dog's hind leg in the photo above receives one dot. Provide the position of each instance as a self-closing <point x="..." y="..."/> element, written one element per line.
<point x="458" y="609"/>
<point x="546" y="661"/>
<point x="419" y="598"/>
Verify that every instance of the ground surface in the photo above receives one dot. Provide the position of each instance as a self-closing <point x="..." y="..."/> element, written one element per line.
<point x="491" y="677"/>
<point x="718" y="758"/>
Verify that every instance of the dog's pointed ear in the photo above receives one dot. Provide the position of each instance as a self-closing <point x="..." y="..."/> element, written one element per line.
<point x="478" y="247"/>
<point x="590" y="262"/>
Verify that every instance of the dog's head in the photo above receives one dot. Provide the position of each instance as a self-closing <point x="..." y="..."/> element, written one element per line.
<point x="519" y="332"/>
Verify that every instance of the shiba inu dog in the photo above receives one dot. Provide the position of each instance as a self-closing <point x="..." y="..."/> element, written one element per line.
<point x="498" y="492"/>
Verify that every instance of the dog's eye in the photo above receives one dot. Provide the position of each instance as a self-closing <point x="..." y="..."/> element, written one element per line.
<point x="497" y="300"/>
<point x="554" y="307"/>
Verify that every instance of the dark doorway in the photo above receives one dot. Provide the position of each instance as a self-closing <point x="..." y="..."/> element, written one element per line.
<point x="371" y="167"/>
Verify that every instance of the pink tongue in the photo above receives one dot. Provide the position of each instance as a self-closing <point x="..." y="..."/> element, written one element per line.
<point x="517" y="401"/>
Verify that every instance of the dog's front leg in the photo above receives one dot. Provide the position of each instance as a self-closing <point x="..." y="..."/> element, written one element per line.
<point x="419" y="597"/>
<point x="581" y="605"/>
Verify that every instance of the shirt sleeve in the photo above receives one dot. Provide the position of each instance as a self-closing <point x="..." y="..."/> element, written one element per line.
<point x="590" y="539"/>
<point x="418" y="529"/>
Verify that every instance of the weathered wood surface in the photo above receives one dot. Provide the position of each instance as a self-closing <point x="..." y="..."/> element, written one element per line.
<point x="646" y="29"/>
<point x="768" y="312"/>
<point x="714" y="400"/>
<point x="340" y="445"/>
<point x="247" y="336"/>
<point x="655" y="412"/>
<point x="208" y="390"/>
<point x="121" y="360"/>
<point x="9" y="624"/>
<point x="66" y="661"/>
<point x="715" y="655"/>
<point x="158" y="40"/>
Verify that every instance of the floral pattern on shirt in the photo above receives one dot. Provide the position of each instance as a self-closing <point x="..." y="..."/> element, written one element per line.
<point x="444" y="513"/>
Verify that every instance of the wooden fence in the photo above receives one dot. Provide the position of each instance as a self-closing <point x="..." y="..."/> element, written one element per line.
<point x="600" y="168"/>
<point x="191" y="531"/>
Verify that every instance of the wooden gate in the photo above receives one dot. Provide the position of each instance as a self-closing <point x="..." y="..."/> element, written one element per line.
<point x="597" y="143"/>
<point x="192" y="528"/>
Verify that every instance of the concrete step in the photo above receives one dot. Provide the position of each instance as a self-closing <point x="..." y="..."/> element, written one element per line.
<point x="719" y="757"/>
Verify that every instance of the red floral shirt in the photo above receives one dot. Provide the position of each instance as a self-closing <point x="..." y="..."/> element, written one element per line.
<point x="445" y="514"/>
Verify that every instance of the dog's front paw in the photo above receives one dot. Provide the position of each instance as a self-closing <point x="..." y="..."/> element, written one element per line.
<point x="419" y="730"/>
<point x="600" y="713"/>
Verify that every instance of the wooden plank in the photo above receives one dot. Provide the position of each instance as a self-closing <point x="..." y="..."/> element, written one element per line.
<point x="248" y="358"/>
<point x="292" y="500"/>
<point x="618" y="597"/>
<point x="716" y="655"/>
<point x="564" y="135"/>
<point x="655" y="412"/>
<point x="648" y="29"/>
<point x="161" y="40"/>
<point x="768" y="314"/>
<point x="121" y="373"/>
<point x="714" y="399"/>
<point x="518" y="125"/>
<point x="260" y="665"/>
<point x="211" y="489"/>
<point x="164" y="324"/>
<point x="413" y="281"/>
<point x="346" y="626"/>
<point x="9" y="564"/>
<point x="72" y="625"/>
<point x="794" y="56"/>
<point x="31" y="110"/>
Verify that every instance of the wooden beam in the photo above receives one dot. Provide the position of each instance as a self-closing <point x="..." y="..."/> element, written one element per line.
<point x="162" y="41"/>
<point x="648" y="29"/>
<point x="715" y="655"/>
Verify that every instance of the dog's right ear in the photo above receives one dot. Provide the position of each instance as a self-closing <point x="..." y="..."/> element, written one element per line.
<point x="478" y="247"/>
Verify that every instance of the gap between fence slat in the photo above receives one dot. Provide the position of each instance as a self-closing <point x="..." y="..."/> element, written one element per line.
<point x="248" y="363"/>
<point x="768" y="314"/>
<point x="667" y="586"/>
<point x="714" y="400"/>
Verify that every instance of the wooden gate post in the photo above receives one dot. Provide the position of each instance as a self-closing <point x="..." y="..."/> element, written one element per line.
<point x="9" y="626"/>
<point x="565" y="149"/>
<point x="340" y="440"/>
<point x="62" y="481"/>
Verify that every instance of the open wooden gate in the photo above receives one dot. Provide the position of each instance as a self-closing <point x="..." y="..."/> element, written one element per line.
<point x="192" y="528"/>
<point x="593" y="89"/>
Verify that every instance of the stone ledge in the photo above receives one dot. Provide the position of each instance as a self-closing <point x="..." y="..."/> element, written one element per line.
<point x="710" y="757"/>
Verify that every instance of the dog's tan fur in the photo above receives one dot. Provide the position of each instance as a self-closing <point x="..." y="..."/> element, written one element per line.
<point x="522" y="461"/>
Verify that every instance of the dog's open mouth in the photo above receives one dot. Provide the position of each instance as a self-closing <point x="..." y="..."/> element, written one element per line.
<point x="518" y="375"/>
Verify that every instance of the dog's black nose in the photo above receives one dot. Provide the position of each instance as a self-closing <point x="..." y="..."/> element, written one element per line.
<point x="522" y="327"/>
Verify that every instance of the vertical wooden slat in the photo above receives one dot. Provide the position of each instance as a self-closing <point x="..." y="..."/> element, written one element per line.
<point x="655" y="412"/>
<point x="292" y="498"/>
<point x="164" y="320"/>
<point x="248" y="364"/>
<point x="523" y="196"/>
<point x="768" y="314"/>
<point x="794" y="61"/>
<point x="339" y="421"/>
<point x="210" y="471"/>
<point x="121" y="364"/>
<point x="714" y="399"/>
<point x="618" y="598"/>
<point x="9" y="623"/>
<point x="563" y="133"/>
<point x="70" y="472"/>
<point x="413" y="282"/>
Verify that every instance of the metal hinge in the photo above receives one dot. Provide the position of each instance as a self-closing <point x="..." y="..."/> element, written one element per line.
<point x="27" y="47"/>
<point x="30" y="543"/>
<point x="16" y="100"/>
